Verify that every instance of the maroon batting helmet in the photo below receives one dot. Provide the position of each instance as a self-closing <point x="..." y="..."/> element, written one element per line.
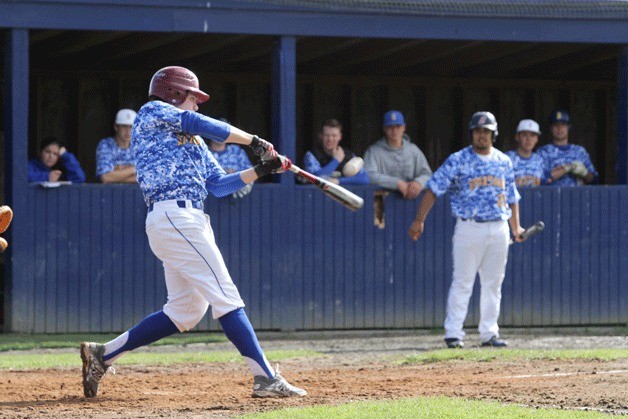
<point x="172" y="85"/>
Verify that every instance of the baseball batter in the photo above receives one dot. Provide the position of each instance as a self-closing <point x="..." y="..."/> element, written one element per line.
<point x="175" y="171"/>
<point x="481" y="184"/>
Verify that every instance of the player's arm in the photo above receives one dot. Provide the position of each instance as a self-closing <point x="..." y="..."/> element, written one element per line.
<point x="371" y="165"/>
<point x="199" y="124"/>
<point x="74" y="171"/>
<point x="125" y="174"/>
<point x="515" y="225"/>
<point x="222" y="184"/>
<point x="416" y="228"/>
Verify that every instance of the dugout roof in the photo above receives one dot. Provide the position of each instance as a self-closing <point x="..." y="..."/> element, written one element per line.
<point x="556" y="40"/>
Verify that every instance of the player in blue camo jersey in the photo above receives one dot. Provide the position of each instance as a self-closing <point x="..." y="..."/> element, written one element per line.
<point x="175" y="171"/>
<point x="480" y="181"/>
<point x="115" y="161"/>
<point x="529" y="166"/>
<point x="567" y="164"/>
<point x="232" y="158"/>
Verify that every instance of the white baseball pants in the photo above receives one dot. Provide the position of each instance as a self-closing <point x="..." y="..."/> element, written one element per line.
<point x="195" y="272"/>
<point x="477" y="248"/>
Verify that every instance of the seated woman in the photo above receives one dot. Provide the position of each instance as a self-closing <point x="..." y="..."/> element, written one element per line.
<point x="54" y="163"/>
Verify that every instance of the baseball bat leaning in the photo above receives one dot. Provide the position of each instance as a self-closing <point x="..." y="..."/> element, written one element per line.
<point x="531" y="231"/>
<point x="335" y="192"/>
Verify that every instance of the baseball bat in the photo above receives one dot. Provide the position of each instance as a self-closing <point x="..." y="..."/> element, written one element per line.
<point x="335" y="192"/>
<point x="531" y="231"/>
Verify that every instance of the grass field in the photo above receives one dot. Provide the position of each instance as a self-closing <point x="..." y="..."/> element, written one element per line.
<point x="424" y="407"/>
<point x="60" y="353"/>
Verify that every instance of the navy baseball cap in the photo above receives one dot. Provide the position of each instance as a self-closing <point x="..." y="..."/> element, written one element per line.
<point x="559" y="115"/>
<point x="393" y="118"/>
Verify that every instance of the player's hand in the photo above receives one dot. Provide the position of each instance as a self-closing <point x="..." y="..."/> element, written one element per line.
<point x="240" y="193"/>
<point x="517" y="232"/>
<point x="560" y="171"/>
<point x="339" y="154"/>
<point x="416" y="229"/>
<point x="263" y="149"/>
<point x="62" y="151"/>
<point x="414" y="189"/>
<point x="579" y="169"/>
<point x="403" y="187"/>
<point x="280" y="164"/>
<point x="277" y="165"/>
<point x="54" y="175"/>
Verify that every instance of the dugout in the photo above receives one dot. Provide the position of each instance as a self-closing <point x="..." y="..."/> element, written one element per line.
<point x="279" y="68"/>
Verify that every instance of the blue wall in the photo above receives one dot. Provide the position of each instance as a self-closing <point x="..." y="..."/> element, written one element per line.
<point x="302" y="261"/>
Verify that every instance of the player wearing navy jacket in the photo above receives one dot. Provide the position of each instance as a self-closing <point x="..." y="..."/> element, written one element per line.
<point x="54" y="163"/>
<point x="484" y="199"/>
<point x="175" y="171"/>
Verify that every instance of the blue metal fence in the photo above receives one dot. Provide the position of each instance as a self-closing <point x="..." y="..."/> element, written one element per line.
<point x="302" y="261"/>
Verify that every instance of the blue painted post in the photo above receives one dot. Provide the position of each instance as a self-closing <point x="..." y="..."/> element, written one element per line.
<point x="622" y="117"/>
<point x="283" y="102"/>
<point x="16" y="66"/>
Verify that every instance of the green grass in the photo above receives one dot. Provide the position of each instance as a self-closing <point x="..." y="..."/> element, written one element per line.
<point x="424" y="407"/>
<point x="65" y="360"/>
<point x="487" y="355"/>
<point x="15" y="341"/>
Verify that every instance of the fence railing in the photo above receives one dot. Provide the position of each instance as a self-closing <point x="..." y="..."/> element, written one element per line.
<point x="303" y="262"/>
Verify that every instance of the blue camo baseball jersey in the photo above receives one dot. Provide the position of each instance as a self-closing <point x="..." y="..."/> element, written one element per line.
<point x="480" y="188"/>
<point x="555" y="155"/>
<point x="232" y="159"/>
<point x="529" y="171"/>
<point x="172" y="162"/>
<point x="109" y="155"/>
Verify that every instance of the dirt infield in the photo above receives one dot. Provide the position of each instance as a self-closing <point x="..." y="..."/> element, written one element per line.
<point x="355" y="367"/>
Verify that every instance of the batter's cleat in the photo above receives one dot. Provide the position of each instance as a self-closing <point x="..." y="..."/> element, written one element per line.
<point x="94" y="367"/>
<point x="275" y="387"/>
<point x="495" y="342"/>
<point x="454" y="343"/>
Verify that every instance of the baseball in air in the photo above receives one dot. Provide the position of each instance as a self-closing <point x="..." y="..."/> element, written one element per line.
<point x="353" y="167"/>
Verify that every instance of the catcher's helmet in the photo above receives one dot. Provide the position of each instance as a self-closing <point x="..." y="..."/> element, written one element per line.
<point x="483" y="119"/>
<point x="559" y="115"/>
<point x="172" y="84"/>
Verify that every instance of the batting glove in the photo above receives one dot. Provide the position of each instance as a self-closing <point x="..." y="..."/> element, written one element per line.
<point x="578" y="169"/>
<point x="277" y="165"/>
<point x="263" y="149"/>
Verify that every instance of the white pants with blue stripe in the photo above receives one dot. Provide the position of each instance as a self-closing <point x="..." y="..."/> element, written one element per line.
<point x="477" y="248"/>
<point x="195" y="272"/>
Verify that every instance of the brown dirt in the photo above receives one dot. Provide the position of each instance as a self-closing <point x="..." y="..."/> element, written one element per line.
<point x="343" y="375"/>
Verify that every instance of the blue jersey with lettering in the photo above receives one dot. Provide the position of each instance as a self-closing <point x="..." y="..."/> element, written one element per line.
<point x="556" y="155"/>
<point x="171" y="161"/>
<point x="479" y="188"/>
<point x="233" y="158"/>
<point x="529" y="171"/>
<point x="109" y="155"/>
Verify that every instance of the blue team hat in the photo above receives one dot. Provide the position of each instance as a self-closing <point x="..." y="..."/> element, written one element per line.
<point x="393" y="118"/>
<point x="559" y="115"/>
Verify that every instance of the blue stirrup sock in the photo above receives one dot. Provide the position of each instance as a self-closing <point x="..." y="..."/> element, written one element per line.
<point x="239" y="331"/>
<point x="149" y="330"/>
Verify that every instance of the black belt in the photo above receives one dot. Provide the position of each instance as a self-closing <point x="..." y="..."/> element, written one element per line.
<point x="479" y="221"/>
<point x="181" y="204"/>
